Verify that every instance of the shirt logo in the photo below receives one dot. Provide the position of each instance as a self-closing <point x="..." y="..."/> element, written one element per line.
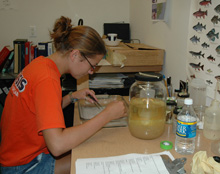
<point x="20" y="83"/>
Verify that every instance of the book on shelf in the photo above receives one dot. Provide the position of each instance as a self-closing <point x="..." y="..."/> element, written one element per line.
<point x="50" y="48"/>
<point x="32" y="56"/>
<point x="19" y="54"/>
<point x="4" y="54"/>
<point x="45" y="48"/>
<point x="27" y="52"/>
<point x="16" y="59"/>
<point x="35" y="52"/>
<point x="8" y="62"/>
<point x="22" y="52"/>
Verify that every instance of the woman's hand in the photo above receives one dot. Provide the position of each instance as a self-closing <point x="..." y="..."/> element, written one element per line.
<point x="81" y="94"/>
<point x="84" y="93"/>
<point x="115" y="110"/>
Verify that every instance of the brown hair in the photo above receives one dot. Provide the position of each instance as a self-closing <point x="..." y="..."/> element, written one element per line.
<point x="84" y="38"/>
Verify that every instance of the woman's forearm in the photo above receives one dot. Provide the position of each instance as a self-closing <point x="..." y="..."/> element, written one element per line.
<point x="67" y="100"/>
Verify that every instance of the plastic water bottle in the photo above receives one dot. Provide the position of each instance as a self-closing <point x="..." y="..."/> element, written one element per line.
<point x="186" y="129"/>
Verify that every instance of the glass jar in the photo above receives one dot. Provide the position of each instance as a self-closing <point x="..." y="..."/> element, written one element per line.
<point x="147" y="108"/>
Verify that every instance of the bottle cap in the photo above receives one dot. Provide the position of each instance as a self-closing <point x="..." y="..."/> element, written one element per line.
<point x="188" y="101"/>
<point x="167" y="145"/>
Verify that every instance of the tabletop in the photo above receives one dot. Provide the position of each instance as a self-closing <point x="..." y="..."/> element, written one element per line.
<point x="118" y="141"/>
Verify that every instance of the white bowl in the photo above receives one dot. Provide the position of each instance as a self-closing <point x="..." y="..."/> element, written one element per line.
<point x="112" y="43"/>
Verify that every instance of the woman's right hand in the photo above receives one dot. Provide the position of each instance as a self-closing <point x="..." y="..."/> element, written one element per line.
<point x="115" y="110"/>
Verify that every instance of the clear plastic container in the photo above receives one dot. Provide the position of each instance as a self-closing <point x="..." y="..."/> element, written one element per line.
<point x="197" y="90"/>
<point x="212" y="120"/>
<point x="147" y="108"/>
<point x="211" y="128"/>
<point x="89" y="110"/>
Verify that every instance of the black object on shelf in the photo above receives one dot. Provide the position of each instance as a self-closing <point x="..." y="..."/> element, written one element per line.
<point x="122" y="29"/>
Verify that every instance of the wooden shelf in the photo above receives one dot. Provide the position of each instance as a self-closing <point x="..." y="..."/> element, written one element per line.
<point x="139" y="58"/>
<point x="117" y="69"/>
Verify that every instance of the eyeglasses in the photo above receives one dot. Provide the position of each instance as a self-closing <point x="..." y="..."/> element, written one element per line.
<point x="92" y="66"/>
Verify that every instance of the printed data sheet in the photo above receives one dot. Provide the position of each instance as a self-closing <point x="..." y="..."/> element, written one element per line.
<point x="124" y="164"/>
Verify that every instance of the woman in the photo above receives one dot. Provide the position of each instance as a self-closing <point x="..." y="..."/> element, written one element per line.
<point x="34" y="136"/>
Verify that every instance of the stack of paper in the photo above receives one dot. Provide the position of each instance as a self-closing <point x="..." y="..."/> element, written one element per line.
<point x="107" y="81"/>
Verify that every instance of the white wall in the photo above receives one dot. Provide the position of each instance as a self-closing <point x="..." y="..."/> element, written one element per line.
<point x="170" y="36"/>
<point x="43" y="13"/>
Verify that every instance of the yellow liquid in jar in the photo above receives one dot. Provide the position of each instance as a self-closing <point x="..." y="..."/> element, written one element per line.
<point x="147" y="117"/>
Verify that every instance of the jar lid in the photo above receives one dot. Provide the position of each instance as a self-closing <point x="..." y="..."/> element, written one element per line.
<point x="149" y="76"/>
<point x="171" y="102"/>
<point x="167" y="145"/>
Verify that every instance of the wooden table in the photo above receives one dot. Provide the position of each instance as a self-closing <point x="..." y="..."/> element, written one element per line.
<point x="118" y="141"/>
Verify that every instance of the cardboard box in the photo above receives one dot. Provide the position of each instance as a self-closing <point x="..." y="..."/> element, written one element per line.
<point x="134" y="55"/>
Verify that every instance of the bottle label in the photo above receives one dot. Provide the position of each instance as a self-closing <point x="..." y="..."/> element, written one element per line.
<point x="186" y="129"/>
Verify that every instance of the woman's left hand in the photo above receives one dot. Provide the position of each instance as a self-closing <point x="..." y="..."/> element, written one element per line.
<point x="84" y="93"/>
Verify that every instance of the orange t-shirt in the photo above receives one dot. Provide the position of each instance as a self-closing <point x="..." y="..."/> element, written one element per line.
<point x="33" y="104"/>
